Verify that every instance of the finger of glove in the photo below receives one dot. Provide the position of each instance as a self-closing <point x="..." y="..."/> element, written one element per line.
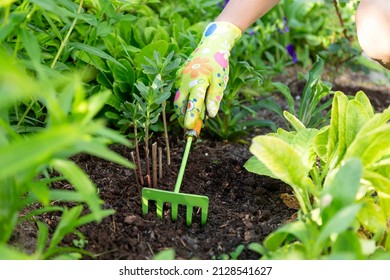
<point x="195" y="106"/>
<point x="180" y="104"/>
<point x="215" y="92"/>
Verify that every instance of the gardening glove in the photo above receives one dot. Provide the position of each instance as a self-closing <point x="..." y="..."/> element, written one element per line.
<point x="205" y="75"/>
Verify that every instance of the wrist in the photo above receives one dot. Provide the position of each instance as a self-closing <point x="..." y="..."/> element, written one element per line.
<point x="222" y="31"/>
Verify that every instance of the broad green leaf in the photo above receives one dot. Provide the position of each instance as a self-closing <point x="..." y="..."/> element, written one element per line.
<point x="341" y="191"/>
<point x="304" y="232"/>
<point x="337" y="129"/>
<point x="125" y="77"/>
<point x="372" y="146"/>
<point x="148" y="51"/>
<point x="340" y="222"/>
<point x="346" y="183"/>
<point x="356" y="117"/>
<point x="372" y="216"/>
<point x="320" y="144"/>
<point x="348" y="244"/>
<point x="291" y="169"/>
<point x="376" y="121"/>
<point x="254" y="165"/>
<point x="380" y="182"/>
<point x="362" y="98"/>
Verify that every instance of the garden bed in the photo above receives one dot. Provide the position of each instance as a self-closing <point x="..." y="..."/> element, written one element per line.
<point x="244" y="207"/>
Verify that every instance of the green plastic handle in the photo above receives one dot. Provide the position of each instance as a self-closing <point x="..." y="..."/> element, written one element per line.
<point x="183" y="163"/>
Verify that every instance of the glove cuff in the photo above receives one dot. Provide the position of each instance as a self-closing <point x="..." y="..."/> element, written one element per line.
<point x="222" y="31"/>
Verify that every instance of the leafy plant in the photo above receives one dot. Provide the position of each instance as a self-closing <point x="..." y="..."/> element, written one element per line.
<point x="331" y="230"/>
<point x="308" y="159"/>
<point x="150" y="103"/>
<point x="28" y="160"/>
<point x="312" y="107"/>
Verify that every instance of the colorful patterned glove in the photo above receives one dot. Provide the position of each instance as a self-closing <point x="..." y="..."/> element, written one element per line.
<point x="206" y="72"/>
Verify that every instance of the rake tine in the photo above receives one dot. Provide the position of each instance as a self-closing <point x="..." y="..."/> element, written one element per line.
<point x="189" y="216"/>
<point x="159" y="206"/>
<point x="145" y="206"/>
<point x="174" y="210"/>
<point x="204" y="216"/>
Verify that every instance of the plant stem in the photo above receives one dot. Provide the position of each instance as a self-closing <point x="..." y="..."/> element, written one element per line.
<point x="166" y="134"/>
<point x="147" y="154"/>
<point x="135" y="173"/>
<point x="138" y="156"/>
<point x="341" y="20"/>
<point x="160" y="170"/>
<point x="66" y="39"/>
<point x="154" y="162"/>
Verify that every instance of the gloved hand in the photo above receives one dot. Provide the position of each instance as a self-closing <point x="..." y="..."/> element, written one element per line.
<point x="205" y="74"/>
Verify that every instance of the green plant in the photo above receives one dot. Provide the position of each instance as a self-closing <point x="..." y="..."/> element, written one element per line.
<point x="307" y="159"/>
<point x="150" y="100"/>
<point x="28" y="161"/>
<point x="312" y="108"/>
<point x="331" y="231"/>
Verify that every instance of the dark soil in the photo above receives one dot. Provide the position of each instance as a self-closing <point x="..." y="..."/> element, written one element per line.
<point x="243" y="207"/>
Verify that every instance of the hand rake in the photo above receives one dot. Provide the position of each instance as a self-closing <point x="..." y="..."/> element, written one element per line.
<point x="176" y="198"/>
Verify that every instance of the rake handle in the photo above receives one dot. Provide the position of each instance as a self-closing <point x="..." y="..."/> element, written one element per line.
<point x="191" y="134"/>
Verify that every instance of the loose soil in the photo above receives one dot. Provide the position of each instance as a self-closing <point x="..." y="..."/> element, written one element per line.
<point x="244" y="207"/>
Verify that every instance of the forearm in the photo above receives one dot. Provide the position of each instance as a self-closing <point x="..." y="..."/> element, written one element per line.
<point x="243" y="13"/>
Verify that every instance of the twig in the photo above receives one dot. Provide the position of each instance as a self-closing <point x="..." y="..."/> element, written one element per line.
<point x="341" y="20"/>
<point x="166" y="135"/>
<point x="135" y="172"/>
<point x="147" y="156"/>
<point x="160" y="170"/>
<point x="154" y="164"/>
<point x="138" y="157"/>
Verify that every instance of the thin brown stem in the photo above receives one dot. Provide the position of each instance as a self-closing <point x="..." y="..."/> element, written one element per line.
<point x="166" y="135"/>
<point x="154" y="163"/>
<point x="135" y="171"/>
<point x="336" y="5"/>
<point x="160" y="167"/>
<point x="141" y="177"/>
<point x="147" y="156"/>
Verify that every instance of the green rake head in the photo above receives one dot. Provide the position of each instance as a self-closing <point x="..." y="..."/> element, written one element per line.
<point x="175" y="199"/>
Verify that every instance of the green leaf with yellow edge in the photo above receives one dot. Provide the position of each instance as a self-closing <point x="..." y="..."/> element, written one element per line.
<point x="372" y="216"/>
<point x="284" y="162"/>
